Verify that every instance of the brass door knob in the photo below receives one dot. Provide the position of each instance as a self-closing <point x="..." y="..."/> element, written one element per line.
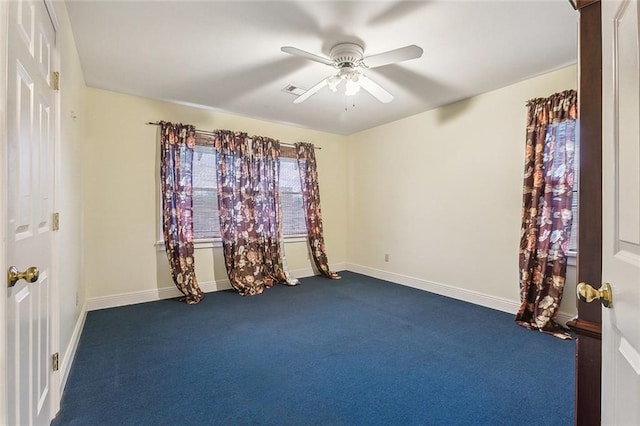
<point x="30" y="275"/>
<point x="588" y="294"/>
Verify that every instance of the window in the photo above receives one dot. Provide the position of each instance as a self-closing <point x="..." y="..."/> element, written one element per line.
<point x="205" y="197"/>
<point x="573" y="243"/>
<point x="291" y="198"/>
<point x="205" y="193"/>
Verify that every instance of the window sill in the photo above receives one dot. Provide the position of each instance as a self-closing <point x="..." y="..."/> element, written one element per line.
<point x="217" y="242"/>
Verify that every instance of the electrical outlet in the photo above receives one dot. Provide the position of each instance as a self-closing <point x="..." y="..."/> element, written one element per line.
<point x="386" y="257"/>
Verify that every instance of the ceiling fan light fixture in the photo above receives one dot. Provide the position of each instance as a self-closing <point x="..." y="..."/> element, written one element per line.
<point x="352" y="87"/>
<point x="333" y="82"/>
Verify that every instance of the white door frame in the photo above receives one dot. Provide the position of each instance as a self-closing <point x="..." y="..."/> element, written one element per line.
<point x="55" y="314"/>
<point x="4" y="20"/>
<point x="56" y="392"/>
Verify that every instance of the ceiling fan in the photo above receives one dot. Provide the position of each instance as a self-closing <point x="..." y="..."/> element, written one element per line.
<point x="349" y="60"/>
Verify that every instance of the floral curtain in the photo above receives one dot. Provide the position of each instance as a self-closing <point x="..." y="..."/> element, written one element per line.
<point x="306" y="156"/>
<point x="265" y="180"/>
<point x="249" y="210"/>
<point x="177" y="142"/>
<point x="546" y="210"/>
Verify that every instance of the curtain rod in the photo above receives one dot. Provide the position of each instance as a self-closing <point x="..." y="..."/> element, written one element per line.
<point x="208" y="132"/>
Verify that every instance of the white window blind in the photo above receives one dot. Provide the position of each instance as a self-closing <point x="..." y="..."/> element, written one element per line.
<point x="291" y="198"/>
<point x="206" y="223"/>
<point x="573" y="242"/>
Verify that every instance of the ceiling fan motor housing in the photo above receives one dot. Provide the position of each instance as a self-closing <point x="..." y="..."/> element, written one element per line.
<point x="346" y="55"/>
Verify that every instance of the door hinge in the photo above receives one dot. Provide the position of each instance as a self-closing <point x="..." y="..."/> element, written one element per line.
<point x="56" y="80"/>
<point x="55" y="221"/>
<point x="55" y="361"/>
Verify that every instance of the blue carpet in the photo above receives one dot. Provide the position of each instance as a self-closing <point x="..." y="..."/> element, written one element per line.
<point x="354" y="351"/>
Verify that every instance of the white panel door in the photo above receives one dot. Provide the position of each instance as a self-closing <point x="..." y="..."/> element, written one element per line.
<point x="30" y="156"/>
<point x="621" y="212"/>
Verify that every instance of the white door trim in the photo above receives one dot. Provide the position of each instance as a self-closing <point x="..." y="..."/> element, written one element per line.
<point x="56" y="392"/>
<point x="4" y="33"/>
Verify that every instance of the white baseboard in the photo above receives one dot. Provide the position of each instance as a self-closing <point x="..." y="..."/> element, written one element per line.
<point x="131" y="298"/>
<point x="70" y="352"/>
<point x="477" y="298"/>
<point x="342" y="266"/>
<point x="302" y="273"/>
<point x="310" y="272"/>
<point x="563" y="318"/>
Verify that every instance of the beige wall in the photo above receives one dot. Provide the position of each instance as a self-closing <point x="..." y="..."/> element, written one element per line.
<point x="68" y="199"/>
<point x="440" y="192"/>
<point x="120" y="192"/>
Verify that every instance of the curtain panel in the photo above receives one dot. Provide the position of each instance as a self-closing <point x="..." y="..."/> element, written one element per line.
<point x="265" y="179"/>
<point x="176" y="161"/>
<point x="546" y="209"/>
<point x="306" y="158"/>
<point x="249" y="211"/>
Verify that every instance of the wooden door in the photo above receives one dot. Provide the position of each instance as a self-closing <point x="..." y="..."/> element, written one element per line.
<point x="29" y="183"/>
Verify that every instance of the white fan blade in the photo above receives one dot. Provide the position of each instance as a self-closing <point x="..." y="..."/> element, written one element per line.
<point x="375" y="89"/>
<point x="393" y="56"/>
<point x="297" y="52"/>
<point x="306" y="95"/>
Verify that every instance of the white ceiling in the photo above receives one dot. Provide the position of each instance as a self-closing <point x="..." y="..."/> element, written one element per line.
<point x="226" y="54"/>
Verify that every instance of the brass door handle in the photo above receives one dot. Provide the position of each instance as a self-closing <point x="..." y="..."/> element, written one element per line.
<point x="30" y="275"/>
<point x="588" y="294"/>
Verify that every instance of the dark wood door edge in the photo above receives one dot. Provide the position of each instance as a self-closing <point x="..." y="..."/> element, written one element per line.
<point x="585" y="328"/>
<point x="579" y="4"/>
<point x="585" y="3"/>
